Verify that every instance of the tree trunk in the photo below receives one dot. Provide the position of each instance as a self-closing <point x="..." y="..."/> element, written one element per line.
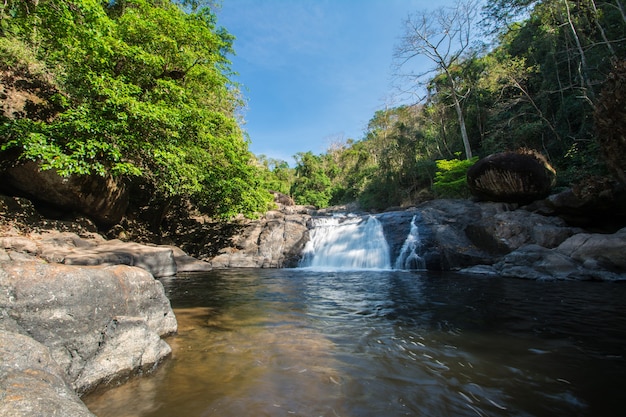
<point x="459" y="113"/>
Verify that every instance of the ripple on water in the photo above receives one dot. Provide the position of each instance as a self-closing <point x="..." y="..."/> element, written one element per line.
<point x="358" y="344"/>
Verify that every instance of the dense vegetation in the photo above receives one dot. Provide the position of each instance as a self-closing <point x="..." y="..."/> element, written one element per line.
<point x="141" y="90"/>
<point x="136" y="89"/>
<point x="536" y="86"/>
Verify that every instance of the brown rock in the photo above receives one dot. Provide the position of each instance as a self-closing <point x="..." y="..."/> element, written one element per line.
<point x="511" y="177"/>
<point x="103" y="199"/>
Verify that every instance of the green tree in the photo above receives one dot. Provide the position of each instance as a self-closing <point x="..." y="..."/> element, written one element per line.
<point x="312" y="185"/>
<point x="144" y="90"/>
<point x="277" y="174"/>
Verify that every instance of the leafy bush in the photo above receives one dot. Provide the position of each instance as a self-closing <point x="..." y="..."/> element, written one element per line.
<point x="450" y="180"/>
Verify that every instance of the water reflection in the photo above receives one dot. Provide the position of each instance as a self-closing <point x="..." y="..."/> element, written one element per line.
<point x="304" y="343"/>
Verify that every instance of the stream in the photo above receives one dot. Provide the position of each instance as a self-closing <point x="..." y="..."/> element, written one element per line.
<point x="300" y="342"/>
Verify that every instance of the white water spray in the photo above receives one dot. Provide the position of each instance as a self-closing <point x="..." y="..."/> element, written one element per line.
<point x="409" y="257"/>
<point x="346" y="242"/>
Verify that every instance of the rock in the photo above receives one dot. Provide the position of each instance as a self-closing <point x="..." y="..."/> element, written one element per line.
<point x="71" y="249"/>
<point x="128" y="346"/>
<point x="396" y="226"/>
<point x="31" y="382"/>
<point x="442" y="229"/>
<point x="596" y="203"/>
<point x="539" y="263"/>
<point x="28" y="93"/>
<point x="283" y="199"/>
<point x="157" y="260"/>
<point x="186" y="263"/>
<point x="274" y="241"/>
<point x="583" y="256"/>
<point x="102" y="199"/>
<point x="461" y="233"/>
<point x="597" y="251"/>
<point x="99" y="323"/>
<point x="506" y="230"/>
<point x="512" y="177"/>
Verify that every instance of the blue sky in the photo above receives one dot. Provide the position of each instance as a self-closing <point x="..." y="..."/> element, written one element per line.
<point x="314" y="71"/>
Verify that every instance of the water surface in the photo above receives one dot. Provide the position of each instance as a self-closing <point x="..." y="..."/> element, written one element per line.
<point x="383" y="343"/>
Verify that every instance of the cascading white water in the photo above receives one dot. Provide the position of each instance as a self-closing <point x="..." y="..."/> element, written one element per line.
<point x="409" y="257"/>
<point x="346" y="242"/>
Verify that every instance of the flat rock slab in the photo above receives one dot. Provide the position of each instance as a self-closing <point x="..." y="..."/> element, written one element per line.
<point x="157" y="260"/>
<point x="71" y="249"/>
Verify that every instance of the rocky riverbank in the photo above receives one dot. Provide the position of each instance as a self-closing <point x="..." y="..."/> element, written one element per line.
<point x="78" y="310"/>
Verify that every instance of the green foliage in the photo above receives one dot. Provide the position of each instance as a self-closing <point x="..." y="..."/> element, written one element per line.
<point x="536" y="88"/>
<point x="451" y="178"/>
<point x="312" y="186"/>
<point x="276" y="175"/>
<point x="144" y="90"/>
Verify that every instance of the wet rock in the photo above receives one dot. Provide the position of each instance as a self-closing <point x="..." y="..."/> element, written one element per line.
<point x="512" y="177"/>
<point x="396" y="226"/>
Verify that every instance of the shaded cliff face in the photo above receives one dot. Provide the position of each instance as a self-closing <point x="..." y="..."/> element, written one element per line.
<point x="102" y="199"/>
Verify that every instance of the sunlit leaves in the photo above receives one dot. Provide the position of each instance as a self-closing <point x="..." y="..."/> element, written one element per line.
<point x="144" y="91"/>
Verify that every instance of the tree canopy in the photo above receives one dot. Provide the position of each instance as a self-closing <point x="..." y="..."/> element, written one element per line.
<point x="139" y="88"/>
<point x="537" y="86"/>
<point x="142" y="89"/>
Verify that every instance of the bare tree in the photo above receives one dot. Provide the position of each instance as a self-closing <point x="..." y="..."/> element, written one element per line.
<point x="443" y="36"/>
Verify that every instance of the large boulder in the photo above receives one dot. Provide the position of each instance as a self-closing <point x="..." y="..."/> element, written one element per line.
<point x="103" y="199"/>
<point x="538" y="263"/>
<point x="512" y="177"/>
<point x="99" y="323"/>
<point x="597" y="251"/>
<point x="584" y="256"/>
<point x="461" y="233"/>
<point x="31" y="382"/>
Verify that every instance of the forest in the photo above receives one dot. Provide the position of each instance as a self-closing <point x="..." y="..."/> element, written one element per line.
<point x="143" y="90"/>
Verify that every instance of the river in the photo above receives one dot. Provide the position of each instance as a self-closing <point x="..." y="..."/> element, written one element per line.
<point x="297" y="342"/>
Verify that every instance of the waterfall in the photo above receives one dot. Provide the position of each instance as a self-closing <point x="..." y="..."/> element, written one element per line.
<point x="353" y="242"/>
<point x="346" y="242"/>
<point x="409" y="257"/>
